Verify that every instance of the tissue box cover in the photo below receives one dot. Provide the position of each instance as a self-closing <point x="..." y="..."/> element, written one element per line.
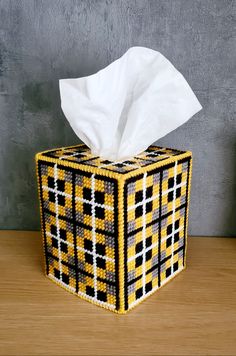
<point x="114" y="232"/>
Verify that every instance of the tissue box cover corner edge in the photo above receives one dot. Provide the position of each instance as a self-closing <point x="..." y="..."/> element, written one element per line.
<point x="114" y="232"/>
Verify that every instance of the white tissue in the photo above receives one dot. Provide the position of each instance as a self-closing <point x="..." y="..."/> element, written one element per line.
<point x="124" y="108"/>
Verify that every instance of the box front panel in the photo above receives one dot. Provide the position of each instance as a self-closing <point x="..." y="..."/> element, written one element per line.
<point x="155" y="205"/>
<point x="79" y="222"/>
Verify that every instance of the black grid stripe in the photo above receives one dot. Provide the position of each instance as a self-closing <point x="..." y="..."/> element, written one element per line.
<point x="116" y="212"/>
<point x="40" y="163"/>
<point x="159" y="232"/>
<point x="125" y="247"/>
<point x="186" y="210"/>
<point x="74" y="233"/>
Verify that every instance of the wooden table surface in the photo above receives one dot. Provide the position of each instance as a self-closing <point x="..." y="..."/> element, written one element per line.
<point x="195" y="314"/>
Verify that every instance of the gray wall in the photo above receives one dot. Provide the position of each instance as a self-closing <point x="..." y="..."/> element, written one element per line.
<point x="42" y="41"/>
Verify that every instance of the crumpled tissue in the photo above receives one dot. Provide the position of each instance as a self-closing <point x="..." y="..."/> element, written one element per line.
<point x="124" y="108"/>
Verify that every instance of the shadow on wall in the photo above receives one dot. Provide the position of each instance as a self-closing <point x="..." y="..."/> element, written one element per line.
<point x="38" y="96"/>
<point x="40" y="101"/>
<point x="40" y="126"/>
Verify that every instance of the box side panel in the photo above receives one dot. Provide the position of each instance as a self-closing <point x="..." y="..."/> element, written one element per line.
<point x="80" y="226"/>
<point x="189" y="182"/>
<point x="42" y="221"/>
<point x="155" y="228"/>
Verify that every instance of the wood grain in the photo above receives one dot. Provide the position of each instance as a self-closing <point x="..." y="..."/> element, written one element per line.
<point x="195" y="314"/>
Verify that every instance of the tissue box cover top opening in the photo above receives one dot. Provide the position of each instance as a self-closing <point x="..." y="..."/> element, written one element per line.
<point x="114" y="232"/>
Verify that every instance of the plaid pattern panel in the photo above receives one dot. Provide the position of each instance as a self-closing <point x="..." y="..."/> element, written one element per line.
<point x="114" y="232"/>
<point x="79" y="214"/>
<point x="155" y="228"/>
